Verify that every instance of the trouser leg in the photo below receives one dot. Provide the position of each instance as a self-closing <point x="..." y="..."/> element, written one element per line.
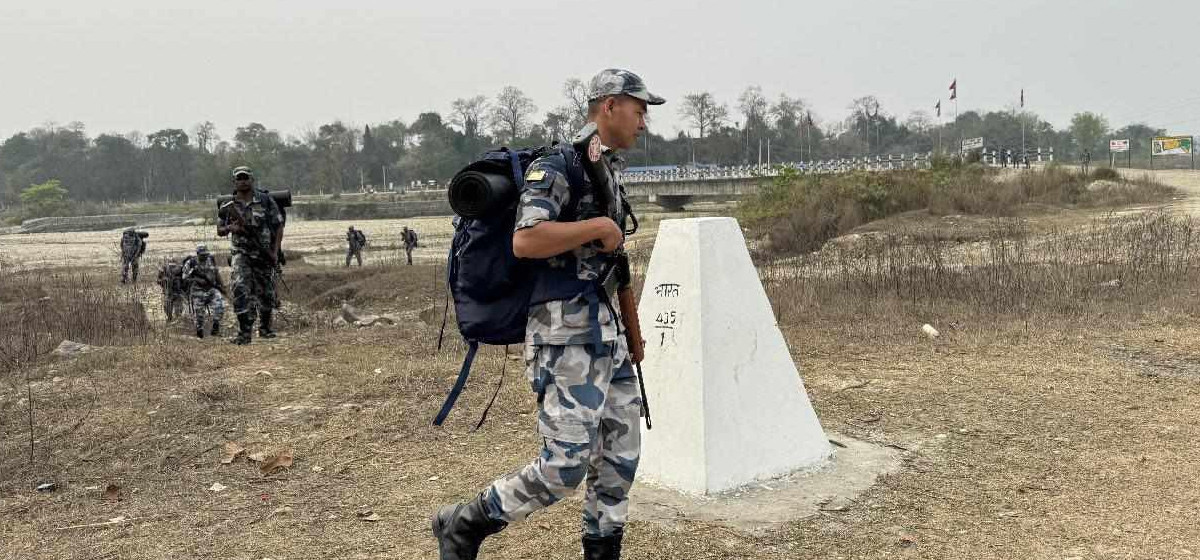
<point x="614" y="461"/>
<point x="575" y="383"/>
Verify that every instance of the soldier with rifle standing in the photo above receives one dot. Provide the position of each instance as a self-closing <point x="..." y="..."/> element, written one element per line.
<point x="255" y="226"/>
<point x="578" y="363"/>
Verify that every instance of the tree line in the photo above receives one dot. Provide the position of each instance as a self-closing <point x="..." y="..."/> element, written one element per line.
<point x="178" y="163"/>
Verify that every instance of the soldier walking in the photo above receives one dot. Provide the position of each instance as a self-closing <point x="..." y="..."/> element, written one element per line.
<point x="582" y="371"/>
<point x="255" y="226"/>
<point x="207" y="289"/>
<point x="133" y="245"/>
<point x="409" y="238"/>
<point x="355" y="241"/>
<point x="170" y="279"/>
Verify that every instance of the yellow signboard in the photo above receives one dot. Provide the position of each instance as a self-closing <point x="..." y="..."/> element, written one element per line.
<point x="1171" y="146"/>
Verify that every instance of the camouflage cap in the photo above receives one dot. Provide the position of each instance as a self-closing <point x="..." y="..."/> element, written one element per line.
<point x="201" y="249"/>
<point x="615" y="81"/>
<point x="242" y="169"/>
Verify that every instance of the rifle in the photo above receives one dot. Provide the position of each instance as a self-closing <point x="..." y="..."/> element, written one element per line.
<point x="229" y="211"/>
<point x="588" y="149"/>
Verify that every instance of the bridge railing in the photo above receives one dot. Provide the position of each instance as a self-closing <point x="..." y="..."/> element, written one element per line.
<point x="840" y="165"/>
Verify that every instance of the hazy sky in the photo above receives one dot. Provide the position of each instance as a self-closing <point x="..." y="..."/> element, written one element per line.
<point x="122" y="65"/>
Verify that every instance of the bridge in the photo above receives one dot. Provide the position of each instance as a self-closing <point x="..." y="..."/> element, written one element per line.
<point x="674" y="187"/>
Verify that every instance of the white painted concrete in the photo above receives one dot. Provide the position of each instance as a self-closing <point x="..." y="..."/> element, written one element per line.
<point x="727" y="403"/>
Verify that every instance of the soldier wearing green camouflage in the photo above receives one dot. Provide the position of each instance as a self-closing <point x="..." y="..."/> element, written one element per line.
<point x="170" y="279"/>
<point x="207" y="289"/>
<point x="133" y="246"/>
<point x="255" y="226"/>
<point x="588" y="397"/>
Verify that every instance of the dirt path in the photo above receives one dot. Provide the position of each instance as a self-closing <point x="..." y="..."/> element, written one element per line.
<point x="1186" y="180"/>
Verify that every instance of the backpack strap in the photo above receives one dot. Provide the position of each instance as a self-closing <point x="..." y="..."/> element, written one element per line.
<point x="459" y="384"/>
<point x="518" y="176"/>
<point x="575" y="180"/>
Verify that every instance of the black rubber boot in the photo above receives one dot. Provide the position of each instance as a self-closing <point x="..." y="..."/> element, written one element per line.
<point x="245" y="327"/>
<point x="461" y="528"/>
<point x="264" y="323"/>
<point x="603" y="548"/>
<point x="199" y="331"/>
<point x="216" y="330"/>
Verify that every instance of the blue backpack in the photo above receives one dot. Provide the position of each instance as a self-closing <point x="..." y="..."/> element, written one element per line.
<point x="490" y="286"/>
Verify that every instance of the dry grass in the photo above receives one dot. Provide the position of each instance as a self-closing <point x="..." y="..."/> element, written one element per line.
<point x="1067" y="434"/>
<point x="799" y="213"/>
<point x="1110" y="268"/>
<point x="43" y="308"/>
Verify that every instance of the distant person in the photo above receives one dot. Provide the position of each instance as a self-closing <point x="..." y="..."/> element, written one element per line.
<point x="1025" y="159"/>
<point x="207" y="289"/>
<point x="170" y="279"/>
<point x="355" y="241"/>
<point x="133" y="246"/>
<point x="408" y="236"/>
<point x="254" y="224"/>
<point x="1085" y="161"/>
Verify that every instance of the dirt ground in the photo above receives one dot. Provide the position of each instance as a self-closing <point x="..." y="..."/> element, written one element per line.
<point x="1046" y="441"/>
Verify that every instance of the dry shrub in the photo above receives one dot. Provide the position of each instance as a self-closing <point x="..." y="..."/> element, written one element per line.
<point x="43" y="308"/>
<point x="800" y="213"/>
<point x="1113" y="267"/>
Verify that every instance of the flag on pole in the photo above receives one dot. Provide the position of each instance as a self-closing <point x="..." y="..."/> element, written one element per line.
<point x="954" y="89"/>
<point x="1022" y="98"/>
<point x="939" y="108"/>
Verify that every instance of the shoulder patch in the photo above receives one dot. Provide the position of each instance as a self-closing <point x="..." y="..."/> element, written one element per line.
<point x="535" y="175"/>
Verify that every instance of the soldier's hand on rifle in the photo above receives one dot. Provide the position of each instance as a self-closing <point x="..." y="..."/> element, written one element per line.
<point x="608" y="233"/>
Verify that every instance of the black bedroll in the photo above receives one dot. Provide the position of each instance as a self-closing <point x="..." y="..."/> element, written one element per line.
<point x="283" y="198"/>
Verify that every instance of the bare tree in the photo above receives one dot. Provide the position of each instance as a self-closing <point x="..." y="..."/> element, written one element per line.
<point x="703" y="111"/>
<point x="511" y="114"/>
<point x="468" y="115"/>
<point x="865" y="108"/>
<point x="576" y="93"/>
<point x="753" y="105"/>
<point x="557" y="123"/>
<point x="787" y="110"/>
<point x="919" y="122"/>
<point x="205" y="134"/>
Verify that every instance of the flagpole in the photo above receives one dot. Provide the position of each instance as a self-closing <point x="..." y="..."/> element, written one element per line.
<point x="954" y="98"/>
<point x="1022" y="125"/>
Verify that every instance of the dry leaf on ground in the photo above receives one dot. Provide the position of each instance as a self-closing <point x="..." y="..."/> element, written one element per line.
<point x="112" y="493"/>
<point x="280" y="461"/>
<point x="231" y="452"/>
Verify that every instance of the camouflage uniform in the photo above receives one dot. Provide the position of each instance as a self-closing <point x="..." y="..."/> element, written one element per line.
<point x="409" y="237"/>
<point x="589" y="402"/>
<point x="200" y="271"/>
<point x="580" y="367"/>
<point x="132" y="247"/>
<point x="355" y="240"/>
<point x="170" y="279"/>
<point x="251" y="271"/>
